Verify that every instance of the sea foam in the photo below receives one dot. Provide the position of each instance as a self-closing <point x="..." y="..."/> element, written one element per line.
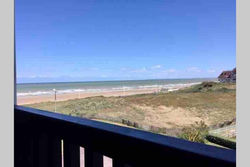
<point x="169" y="87"/>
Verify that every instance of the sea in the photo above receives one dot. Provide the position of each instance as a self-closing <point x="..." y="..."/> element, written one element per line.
<point x="37" y="89"/>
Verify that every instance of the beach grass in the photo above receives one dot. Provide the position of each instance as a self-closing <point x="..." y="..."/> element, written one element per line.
<point x="210" y="102"/>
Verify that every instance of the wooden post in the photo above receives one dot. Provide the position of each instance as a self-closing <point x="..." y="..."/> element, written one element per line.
<point x="55" y="98"/>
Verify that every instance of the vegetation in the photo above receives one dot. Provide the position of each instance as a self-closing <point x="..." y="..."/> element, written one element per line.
<point x="196" y="132"/>
<point x="199" y="133"/>
<point x="211" y="87"/>
<point x="170" y="113"/>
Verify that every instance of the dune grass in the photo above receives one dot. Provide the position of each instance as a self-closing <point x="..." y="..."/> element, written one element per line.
<point x="210" y="102"/>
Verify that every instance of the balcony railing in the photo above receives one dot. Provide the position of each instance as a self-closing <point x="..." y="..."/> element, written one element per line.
<point x="38" y="136"/>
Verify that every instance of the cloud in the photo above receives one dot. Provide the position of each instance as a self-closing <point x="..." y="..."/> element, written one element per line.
<point x="164" y="73"/>
<point x="36" y="76"/>
<point x="156" y="66"/>
<point x="124" y="69"/>
<point x="94" y="68"/>
<point x="211" y="71"/>
<point x="170" y="70"/>
<point x="194" y="69"/>
<point x="141" y="70"/>
<point x="104" y="76"/>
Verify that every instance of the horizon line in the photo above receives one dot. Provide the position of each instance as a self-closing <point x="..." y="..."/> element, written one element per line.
<point x="113" y="80"/>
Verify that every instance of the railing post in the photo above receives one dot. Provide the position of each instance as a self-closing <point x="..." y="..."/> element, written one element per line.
<point x="55" y="154"/>
<point x="23" y="149"/>
<point x="120" y="164"/>
<point x="71" y="154"/>
<point x="93" y="159"/>
<point x="47" y="151"/>
<point x="23" y="143"/>
<point x="117" y="163"/>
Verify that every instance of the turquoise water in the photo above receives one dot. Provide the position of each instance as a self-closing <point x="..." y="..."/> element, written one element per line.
<point x="28" y="89"/>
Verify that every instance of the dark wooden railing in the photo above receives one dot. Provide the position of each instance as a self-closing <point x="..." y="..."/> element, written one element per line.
<point x="38" y="136"/>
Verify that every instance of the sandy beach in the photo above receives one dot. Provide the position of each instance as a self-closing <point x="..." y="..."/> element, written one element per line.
<point x="31" y="99"/>
<point x="21" y="100"/>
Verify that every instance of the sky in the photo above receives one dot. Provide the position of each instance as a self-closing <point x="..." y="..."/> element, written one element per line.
<point x="92" y="40"/>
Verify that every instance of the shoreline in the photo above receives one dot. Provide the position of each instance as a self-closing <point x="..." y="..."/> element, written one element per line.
<point x="31" y="99"/>
<point x="22" y="100"/>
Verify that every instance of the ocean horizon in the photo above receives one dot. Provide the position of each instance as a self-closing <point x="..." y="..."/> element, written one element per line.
<point x="46" y="88"/>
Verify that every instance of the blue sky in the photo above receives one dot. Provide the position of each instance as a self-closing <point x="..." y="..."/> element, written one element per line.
<point x="81" y="40"/>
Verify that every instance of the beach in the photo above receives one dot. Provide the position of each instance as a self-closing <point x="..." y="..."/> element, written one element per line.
<point x="44" y="92"/>
<point x="67" y="96"/>
<point x="159" y="106"/>
<point x="149" y="109"/>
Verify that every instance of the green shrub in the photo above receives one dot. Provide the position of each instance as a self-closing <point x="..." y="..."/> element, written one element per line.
<point x="195" y="133"/>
